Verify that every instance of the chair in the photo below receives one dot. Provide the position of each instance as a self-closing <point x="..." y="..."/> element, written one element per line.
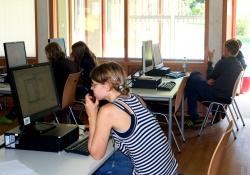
<point x="177" y="105"/>
<point x="219" y="151"/>
<point x="224" y="104"/>
<point x="69" y="92"/>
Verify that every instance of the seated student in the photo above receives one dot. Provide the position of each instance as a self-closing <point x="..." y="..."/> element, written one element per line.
<point x="219" y="84"/>
<point x="239" y="57"/>
<point x="86" y="62"/>
<point x="61" y="67"/>
<point x="133" y="127"/>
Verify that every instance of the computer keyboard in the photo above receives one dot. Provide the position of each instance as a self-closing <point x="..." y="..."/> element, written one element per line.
<point x="175" y="75"/>
<point x="79" y="147"/>
<point x="166" y="85"/>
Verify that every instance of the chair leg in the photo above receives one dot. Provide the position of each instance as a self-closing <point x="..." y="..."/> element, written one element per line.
<point x="229" y="122"/>
<point x="205" y="119"/>
<point x="176" y="143"/>
<point x="216" y="111"/>
<point x="71" y="112"/>
<point x="234" y="101"/>
<point x="235" y="123"/>
<point x="178" y="125"/>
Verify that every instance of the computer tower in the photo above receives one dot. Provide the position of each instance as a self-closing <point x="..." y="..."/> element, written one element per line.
<point x="53" y="140"/>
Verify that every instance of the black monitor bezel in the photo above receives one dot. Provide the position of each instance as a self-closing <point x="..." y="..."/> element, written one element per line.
<point x="6" y="52"/>
<point x="41" y="114"/>
<point x="50" y="40"/>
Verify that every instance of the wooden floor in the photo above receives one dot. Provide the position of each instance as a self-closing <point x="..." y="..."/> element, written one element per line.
<point x="197" y="151"/>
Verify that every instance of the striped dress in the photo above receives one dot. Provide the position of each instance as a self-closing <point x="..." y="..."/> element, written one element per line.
<point x="144" y="142"/>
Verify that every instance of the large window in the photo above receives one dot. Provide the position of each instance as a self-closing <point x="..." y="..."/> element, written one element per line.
<point x="18" y="24"/>
<point x="115" y="28"/>
<point x="177" y="25"/>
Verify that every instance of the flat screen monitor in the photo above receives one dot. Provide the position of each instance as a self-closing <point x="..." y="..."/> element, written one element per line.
<point x="34" y="92"/>
<point x="158" y="63"/>
<point x="147" y="56"/>
<point x="60" y="42"/>
<point x="15" y="54"/>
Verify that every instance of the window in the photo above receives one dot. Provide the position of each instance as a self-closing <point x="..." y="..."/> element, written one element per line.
<point x="177" y="25"/>
<point x="104" y="34"/>
<point x="18" y="24"/>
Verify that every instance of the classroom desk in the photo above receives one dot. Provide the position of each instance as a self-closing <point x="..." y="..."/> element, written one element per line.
<point x="160" y="95"/>
<point x="51" y="163"/>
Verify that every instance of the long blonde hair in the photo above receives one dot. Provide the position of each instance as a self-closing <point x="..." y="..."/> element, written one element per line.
<point x="113" y="73"/>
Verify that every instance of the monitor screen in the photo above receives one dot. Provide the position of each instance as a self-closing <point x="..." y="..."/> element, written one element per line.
<point x="15" y="54"/>
<point x="158" y="63"/>
<point x="147" y="56"/>
<point x="60" y="42"/>
<point x="34" y="91"/>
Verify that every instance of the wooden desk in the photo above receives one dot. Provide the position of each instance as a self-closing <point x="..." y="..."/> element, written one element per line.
<point x="51" y="163"/>
<point x="160" y="95"/>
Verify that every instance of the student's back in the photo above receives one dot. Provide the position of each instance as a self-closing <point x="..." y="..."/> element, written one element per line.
<point x="225" y="73"/>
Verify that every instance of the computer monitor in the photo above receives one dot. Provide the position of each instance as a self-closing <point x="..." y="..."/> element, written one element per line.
<point x="15" y="54"/>
<point x="158" y="63"/>
<point x="34" y="93"/>
<point x="147" y="56"/>
<point x="60" y="42"/>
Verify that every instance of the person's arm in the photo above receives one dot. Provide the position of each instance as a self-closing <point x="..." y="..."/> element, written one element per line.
<point x="210" y="67"/>
<point x="99" y="128"/>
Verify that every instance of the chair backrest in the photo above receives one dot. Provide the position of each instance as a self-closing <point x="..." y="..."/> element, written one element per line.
<point x="69" y="91"/>
<point x="180" y="94"/>
<point x="219" y="151"/>
<point x="236" y="84"/>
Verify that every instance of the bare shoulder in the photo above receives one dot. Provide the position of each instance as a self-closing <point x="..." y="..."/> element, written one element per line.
<point x="110" y="110"/>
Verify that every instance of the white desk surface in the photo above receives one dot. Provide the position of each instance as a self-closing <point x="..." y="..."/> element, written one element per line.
<point x="53" y="163"/>
<point x="159" y="95"/>
<point x="5" y="88"/>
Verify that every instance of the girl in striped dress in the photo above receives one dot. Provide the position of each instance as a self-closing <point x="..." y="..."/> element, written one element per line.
<point x="133" y="127"/>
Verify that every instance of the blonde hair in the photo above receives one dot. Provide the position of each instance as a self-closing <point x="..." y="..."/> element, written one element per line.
<point x="113" y="73"/>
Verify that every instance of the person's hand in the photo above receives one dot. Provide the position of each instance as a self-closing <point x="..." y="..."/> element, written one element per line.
<point x="211" y="55"/>
<point x="210" y="82"/>
<point x="91" y="106"/>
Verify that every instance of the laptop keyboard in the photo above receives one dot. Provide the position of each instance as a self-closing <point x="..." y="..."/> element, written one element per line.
<point x="166" y="85"/>
<point x="79" y="147"/>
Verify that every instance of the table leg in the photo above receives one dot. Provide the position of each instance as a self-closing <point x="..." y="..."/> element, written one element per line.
<point x="182" y="114"/>
<point x="170" y="121"/>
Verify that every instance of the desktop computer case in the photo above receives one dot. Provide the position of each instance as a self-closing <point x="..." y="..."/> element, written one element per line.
<point x="53" y="140"/>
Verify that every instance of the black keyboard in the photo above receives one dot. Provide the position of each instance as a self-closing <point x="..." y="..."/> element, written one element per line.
<point x="166" y="85"/>
<point x="175" y="75"/>
<point x="79" y="147"/>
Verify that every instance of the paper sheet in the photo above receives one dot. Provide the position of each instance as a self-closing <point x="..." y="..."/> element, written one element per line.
<point x="15" y="167"/>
